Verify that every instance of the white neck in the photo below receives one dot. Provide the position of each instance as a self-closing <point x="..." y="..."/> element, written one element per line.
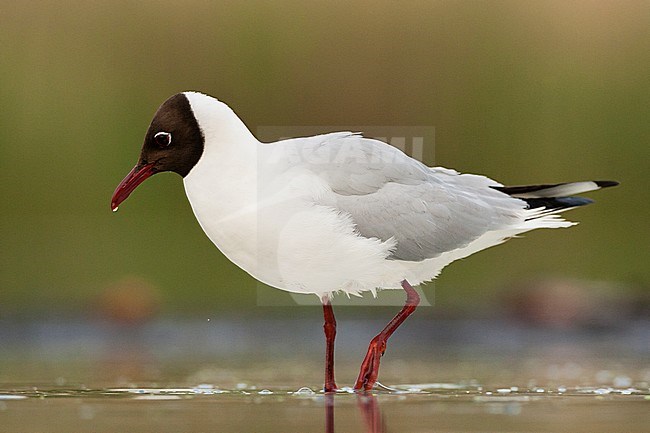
<point x="230" y="152"/>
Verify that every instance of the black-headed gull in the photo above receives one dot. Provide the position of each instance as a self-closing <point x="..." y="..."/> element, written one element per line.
<point x="335" y="212"/>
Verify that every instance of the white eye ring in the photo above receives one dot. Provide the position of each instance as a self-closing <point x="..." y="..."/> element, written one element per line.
<point x="163" y="139"/>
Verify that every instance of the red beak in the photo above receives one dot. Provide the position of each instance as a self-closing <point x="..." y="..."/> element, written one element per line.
<point x="138" y="175"/>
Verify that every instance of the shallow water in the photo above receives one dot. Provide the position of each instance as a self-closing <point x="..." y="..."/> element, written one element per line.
<point x="489" y="377"/>
<point x="414" y="408"/>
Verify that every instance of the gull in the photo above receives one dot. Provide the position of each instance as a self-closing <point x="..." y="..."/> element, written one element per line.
<point x="335" y="212"/>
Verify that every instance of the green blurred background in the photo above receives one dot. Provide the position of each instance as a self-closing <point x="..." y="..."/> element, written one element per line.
<point x="520" y="91"/>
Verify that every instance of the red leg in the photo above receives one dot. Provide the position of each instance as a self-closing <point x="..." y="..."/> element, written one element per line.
<point x="370" y="366"/>
<point x="330" y="334"/>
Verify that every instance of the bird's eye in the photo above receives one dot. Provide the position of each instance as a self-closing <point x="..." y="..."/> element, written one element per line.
<point x="163" y="139"/>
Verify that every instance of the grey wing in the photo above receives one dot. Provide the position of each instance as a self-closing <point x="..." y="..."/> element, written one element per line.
<point x="349" y="163"/>
<point x="429" y="219"/>
<point x="426" y="210"/>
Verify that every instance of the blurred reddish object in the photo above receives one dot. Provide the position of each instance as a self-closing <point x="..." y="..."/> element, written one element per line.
<point x="565" y="303"/>
<point x="130" y="301"/>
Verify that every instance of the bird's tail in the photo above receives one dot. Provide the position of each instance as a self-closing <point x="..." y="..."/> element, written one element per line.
<point x="554" y="198"/>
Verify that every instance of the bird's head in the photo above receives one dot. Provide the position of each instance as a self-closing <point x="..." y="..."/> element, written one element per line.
<point x="174" y="142"/>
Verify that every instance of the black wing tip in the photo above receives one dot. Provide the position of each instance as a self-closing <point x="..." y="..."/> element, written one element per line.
<point x="557" y="203"/>
<point x="606" y="183"/>
<point x="525" y="189"/>
<point x="574" y="201"/>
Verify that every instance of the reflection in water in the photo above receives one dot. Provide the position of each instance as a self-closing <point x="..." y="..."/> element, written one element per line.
<point x="329" y="412"/>
<point x="368" y="407"/>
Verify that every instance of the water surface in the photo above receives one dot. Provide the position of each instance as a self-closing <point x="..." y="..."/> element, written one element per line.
<point x="266" y="377"/>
